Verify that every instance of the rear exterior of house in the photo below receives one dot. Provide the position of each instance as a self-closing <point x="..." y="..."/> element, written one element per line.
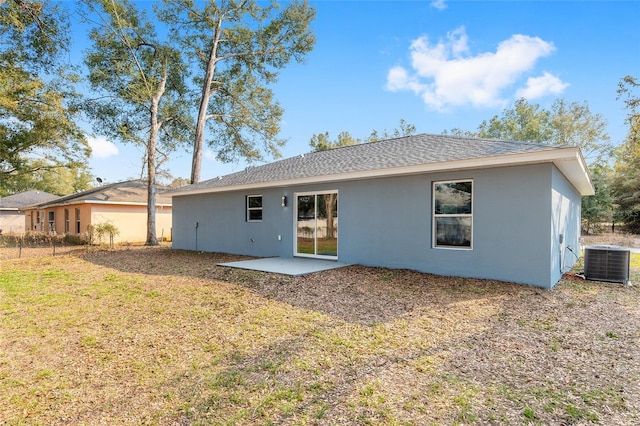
<point x="123" y="205"/>
<point x="505" y="220"/>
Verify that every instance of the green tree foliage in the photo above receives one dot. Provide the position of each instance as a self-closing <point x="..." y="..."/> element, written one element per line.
<point x="599" y="208"/>
<point x="140" y="78"/>
<point x="59" y="180"/>
<point x="38" y="105"/>
<point x="403" y="129"/>
<point x="178" y="182"/>
<point x="322" y="141"/>
<point x="563" y="124"/>
<point x="239" y="46"/>
<point x="626" y="181"/>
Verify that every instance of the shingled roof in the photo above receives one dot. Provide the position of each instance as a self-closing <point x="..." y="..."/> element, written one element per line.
<point x="131" y="192"/>
<point x="27" y="198"/>
<point x="401" y="156"/>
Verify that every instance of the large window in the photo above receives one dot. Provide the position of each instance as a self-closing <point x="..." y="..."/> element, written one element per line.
<point x="254" y="208"/>
<point x="453" y="214"/>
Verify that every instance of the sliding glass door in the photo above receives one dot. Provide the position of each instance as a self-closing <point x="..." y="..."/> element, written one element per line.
<point x="317" y="224"/>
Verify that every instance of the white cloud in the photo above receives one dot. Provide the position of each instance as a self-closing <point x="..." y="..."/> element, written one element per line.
<point x="439" y="4"/>
<point x="209" y="154"/>
<point x="446" y="74"/>
<point x="538" y="87"/>
<point x="101" y="147"/>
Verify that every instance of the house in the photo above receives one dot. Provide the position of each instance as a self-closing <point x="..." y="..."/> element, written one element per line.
<point x="439" y="204"/>
<point x="11" y="217"/>
<point x="122" y="204"/>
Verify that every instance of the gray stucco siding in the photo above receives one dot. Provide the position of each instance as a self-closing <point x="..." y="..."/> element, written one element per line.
<point x="511" y="216"/>
<point x="566" y="221"/>
<point x="512" y="213"/>
<point x="385" y="222"/>
<point x="388" y="222"/>
<point x="222" y="225"/>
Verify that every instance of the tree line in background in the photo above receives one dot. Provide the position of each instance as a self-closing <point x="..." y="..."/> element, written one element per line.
<point x="615" y="172"/>
<point x="157" y="82"/>
<point x="192" y="69"/>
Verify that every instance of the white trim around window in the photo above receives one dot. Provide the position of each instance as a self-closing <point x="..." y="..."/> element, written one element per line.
<point x="452" y="210"/>
<point x="254" y="208"/>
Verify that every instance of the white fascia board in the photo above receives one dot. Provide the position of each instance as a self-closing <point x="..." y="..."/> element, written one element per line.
<point x="568" y="160"/>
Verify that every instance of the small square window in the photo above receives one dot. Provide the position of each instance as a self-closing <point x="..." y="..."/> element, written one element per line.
<point x="254" y="208"/>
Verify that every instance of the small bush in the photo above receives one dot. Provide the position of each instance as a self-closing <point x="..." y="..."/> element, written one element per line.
<point x="100" y="230"/>
<point x="74" y="240"/>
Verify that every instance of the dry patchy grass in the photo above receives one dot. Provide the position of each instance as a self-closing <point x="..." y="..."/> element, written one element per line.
<point x="157" y="336"/>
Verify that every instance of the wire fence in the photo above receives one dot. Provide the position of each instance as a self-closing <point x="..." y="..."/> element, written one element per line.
<point x="37" y="244"/>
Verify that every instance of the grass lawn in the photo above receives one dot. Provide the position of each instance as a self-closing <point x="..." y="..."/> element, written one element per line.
<point x="156" y="336"/>
<point x="326" y="246"/>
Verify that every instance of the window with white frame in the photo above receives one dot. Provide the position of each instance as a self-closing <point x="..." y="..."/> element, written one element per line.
<point x="66" y="221"/>
<point x="254" y="208"/>
<point x="453" y="214"/>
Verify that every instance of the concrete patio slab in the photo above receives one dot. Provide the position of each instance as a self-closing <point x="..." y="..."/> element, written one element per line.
<point x="287" y="266"/>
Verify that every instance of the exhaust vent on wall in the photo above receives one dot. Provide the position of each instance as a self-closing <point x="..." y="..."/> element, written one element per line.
<point x="607" y="263"/>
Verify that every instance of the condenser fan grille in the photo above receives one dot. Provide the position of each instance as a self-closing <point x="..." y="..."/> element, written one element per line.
<point x="607" y="263"/>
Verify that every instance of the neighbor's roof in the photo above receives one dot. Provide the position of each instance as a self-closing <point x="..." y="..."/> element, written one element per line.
<point x="16" y="201"/>
<point x="401" y="156"/>
<point x="133" y="192"/>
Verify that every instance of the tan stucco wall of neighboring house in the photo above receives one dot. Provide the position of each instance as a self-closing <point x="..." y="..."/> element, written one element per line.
<point x="130" y="220"/>
<point x="11" y="222"/>
<point x="38" y="220"/>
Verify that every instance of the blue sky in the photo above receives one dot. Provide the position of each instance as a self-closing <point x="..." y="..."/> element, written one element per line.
<point x="438" y="65"/>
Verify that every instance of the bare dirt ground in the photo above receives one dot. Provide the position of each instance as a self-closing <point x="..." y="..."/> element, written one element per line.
<point x="158" y="336"/>
<point x="617" y="239"/>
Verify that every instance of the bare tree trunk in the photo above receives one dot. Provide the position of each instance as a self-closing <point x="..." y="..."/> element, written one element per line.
<point x="196" y="163"/>
<point x="198" y="145"/>
<point x="151" y="183"/>
<point x="155" y="125"/>
<point x="330" y="202"/>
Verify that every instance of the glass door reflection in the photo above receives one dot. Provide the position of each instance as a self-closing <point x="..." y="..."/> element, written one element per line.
<point x="317" y="224"/>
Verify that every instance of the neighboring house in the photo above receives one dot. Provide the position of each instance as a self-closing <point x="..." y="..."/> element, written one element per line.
<point x="122" y="204"/>
<point x="11" y="217"/>
<point x="440" y="204"/>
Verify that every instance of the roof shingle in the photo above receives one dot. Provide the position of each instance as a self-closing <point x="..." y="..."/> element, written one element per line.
<point x="406" y="151"/>
<point x="14" y="202"/>
<point x="128" y="192"/>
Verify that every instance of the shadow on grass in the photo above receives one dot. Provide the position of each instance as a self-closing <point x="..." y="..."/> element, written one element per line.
<point x="375" y="345"/>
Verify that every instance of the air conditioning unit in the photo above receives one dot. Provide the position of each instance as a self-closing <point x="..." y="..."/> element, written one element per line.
<point x="607" y="263"/>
